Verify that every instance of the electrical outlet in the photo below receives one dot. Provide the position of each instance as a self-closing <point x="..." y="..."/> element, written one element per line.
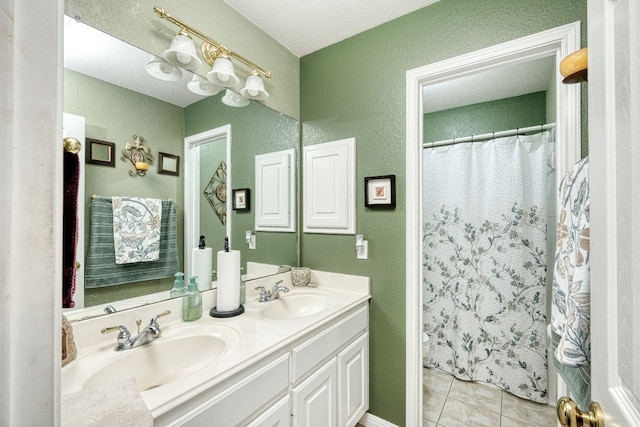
<point x="362" y="251"/>
<point x="252" y="242"/>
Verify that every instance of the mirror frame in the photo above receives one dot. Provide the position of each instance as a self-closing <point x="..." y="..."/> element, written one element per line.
<point x="558" y="42"/>
<point x="192" y="144"/>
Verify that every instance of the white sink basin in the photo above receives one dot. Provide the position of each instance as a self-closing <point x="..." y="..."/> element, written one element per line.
<point x="178" y="353"/>
<point x="297" y="305"/>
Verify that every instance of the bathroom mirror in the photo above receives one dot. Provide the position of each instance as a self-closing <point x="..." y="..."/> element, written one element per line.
<point x="118" y="105"/>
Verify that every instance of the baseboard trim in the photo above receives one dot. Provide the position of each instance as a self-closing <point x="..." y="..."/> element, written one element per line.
<point x="369" y="420"/>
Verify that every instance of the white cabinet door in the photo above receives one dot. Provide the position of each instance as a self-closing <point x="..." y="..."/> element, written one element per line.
<point x="277" y="415"/>
<point x="353" y="382"/>
<point x="314" y="400"/>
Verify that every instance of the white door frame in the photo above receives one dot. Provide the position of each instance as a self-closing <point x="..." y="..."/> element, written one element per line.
<point x="192" y="145"/>
<point x="557" y="42"/>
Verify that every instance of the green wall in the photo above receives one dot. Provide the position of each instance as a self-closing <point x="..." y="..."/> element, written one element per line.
<point x="255" y="129"/>
<point x="115" y="114"/>
<point x="357" y="88"/>
<point x="485" y="117"/>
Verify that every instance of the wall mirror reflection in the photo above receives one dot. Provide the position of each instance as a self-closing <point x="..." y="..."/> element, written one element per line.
<point x="106" y="84"/>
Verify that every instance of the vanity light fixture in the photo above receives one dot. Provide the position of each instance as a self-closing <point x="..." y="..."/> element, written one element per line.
<point x="162" y="70"/>
<point x="182" y="52"/>
<point x="233" y="99"/>
<point x="202" y="86"/>
<point x="254" y="88"/>
<point x="218" y="56"/>
<point x="222" y="72"/>
<point x="138" y="154"/>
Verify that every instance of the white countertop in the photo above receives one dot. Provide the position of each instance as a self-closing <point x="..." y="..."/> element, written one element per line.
<point x="252" y="336"/>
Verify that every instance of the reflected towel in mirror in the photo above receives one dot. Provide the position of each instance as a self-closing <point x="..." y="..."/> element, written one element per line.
<point x="100" y="267"/>
<point x="136" y="229"/>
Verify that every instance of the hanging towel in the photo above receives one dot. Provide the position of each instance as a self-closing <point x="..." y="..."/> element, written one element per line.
<point x="578" y="378"/>
<point x="136" y="229"/>
<point x="570" y="312"/>
<point x="70" y="227"/>
<point x="100" y="267"/>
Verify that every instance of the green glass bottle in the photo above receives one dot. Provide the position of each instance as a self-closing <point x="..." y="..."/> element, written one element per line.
<point x="192" y="302"/>
<point x="178" y="286"/>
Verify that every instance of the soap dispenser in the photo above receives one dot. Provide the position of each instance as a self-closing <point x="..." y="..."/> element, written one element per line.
<point x="178" y="286"/>
<point x="192" y="301"/>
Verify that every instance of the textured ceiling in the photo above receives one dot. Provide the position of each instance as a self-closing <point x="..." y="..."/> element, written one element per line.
<point x="304" y="26"/>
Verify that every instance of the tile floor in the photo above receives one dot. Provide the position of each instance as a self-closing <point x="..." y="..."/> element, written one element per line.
<point x="449" y="402"/>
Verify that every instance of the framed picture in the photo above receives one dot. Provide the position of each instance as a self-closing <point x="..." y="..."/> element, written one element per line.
<point x="380" y="191"/>
<point x="168" y="164"/>
<point x="100" y="152"/>
<point x="241" y="199"/>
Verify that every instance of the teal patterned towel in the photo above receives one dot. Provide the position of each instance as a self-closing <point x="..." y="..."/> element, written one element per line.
<point x="578" y="379"/>
<point x="100" y="267"/>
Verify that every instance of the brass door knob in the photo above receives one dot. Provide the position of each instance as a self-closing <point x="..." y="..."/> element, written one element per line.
<point x="77" y="265"/>
<point x="570" y="415"/>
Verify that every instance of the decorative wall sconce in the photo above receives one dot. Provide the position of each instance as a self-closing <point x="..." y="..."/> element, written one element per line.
<point x="138" y="154"/>
<point x="182" y="53"/>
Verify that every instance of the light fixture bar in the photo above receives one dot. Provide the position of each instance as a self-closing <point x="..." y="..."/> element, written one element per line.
<point x="207" y="40"/>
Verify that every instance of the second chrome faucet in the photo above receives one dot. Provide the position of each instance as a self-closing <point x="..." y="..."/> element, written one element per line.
<point x="266" y="295"/>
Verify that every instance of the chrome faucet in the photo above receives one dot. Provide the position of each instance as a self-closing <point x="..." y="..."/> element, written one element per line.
<point x="266" y="295"/>
<point x="150" y="333"/>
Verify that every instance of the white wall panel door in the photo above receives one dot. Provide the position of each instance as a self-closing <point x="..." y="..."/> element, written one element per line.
<point x="275" y="189"/>
<point x="329" y="187"/>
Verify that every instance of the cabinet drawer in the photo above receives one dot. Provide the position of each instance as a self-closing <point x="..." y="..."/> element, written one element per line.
<point x="311" y="353"/>
<point x="246" y="396"/>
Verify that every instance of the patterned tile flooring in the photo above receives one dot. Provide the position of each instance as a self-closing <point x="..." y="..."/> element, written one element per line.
<point x="449" y="402"/>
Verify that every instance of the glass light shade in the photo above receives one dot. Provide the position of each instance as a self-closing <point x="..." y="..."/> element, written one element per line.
<point x="233" y="99"/>
<point x="204" y="87"/>
<point x="182" y="53"/>
<point x="162" y="70"/>
<point x="222" y="73"/>
<point x="254" y="88"/>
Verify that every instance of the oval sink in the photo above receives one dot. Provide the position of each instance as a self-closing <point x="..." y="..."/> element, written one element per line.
<point x="160" y="362"/>
<point x="179" y="352"/>
<point x="295" y="306"/>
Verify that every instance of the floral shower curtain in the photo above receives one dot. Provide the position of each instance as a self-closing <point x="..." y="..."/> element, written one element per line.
<point x="484" y="259"/>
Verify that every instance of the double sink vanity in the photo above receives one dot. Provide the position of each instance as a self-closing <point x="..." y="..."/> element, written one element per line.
<point x="299" y="360"/>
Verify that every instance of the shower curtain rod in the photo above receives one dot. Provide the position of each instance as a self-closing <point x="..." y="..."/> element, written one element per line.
<point x="489" y="136"/>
